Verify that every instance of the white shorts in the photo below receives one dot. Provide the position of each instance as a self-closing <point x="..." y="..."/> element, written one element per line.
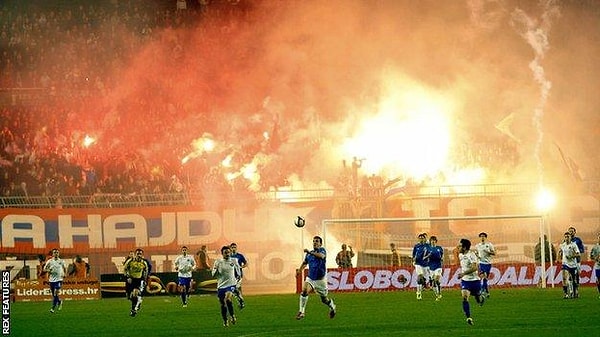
<point x="436" y="273"/>
<point x="421" y="270"/>
<point x="320" y="286"/>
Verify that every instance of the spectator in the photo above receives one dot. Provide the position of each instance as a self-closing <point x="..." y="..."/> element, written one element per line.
<point x="344" y="257"/>
<point x="42" y="274"/>
<point x="395" y="255"/>
<point x="79" y="268"/>
<point x="548" y="247"/>
<point x="203" y="260"/>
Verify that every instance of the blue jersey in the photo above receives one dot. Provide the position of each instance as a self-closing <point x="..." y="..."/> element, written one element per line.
<point x="436" y="256"/>
<point x="580" y="245"/>
<point x="241" y="261"/>
<point x="316" y="266"/>
<point x="420" y="252"/>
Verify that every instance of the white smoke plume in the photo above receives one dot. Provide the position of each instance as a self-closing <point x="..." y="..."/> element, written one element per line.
<point x="535" y="34"/>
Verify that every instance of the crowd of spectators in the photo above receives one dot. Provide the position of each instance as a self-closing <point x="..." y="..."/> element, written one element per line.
<point x="49" y="74"/>
<point x="42" y="41"/>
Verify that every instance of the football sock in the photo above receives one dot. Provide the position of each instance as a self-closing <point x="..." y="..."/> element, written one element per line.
<point x="183" y="297"/>
<point x="565" y="289"/>
<point x="466" y="308"/>
<point x="224" y="312"/>
<point x="230" y="307"/>
<point x="303" y="300"/>
<point x="485" y="284"/>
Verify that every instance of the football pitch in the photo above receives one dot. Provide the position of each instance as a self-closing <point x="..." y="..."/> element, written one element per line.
<point x="508" y="312"/>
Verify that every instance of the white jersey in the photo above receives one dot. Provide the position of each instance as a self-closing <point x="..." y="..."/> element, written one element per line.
<point x="225" y="271"/>
<point x="466" y="261"/>
<point x="484" y="252"/>
<point x="568" y="254"/>
<point x="185" y="265"/>
<point x="595" y="255"/>
<point x="56" y="269"/>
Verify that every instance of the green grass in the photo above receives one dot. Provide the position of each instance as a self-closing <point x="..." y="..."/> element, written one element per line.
<point x="510" y="312"/>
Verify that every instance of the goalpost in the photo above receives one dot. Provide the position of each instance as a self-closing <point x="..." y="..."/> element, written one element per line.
<point x="514" y="237"/>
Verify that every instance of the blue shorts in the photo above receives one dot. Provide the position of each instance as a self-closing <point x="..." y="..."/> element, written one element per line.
<point x="571" y="270"/>
<point x="222" y="291"/>
<point x="485" y="268"/>
<point x="184" y="281"/>
<point x="474" y="287"/>
<point x="55" y="286"/>
<point x="597" y="272"/>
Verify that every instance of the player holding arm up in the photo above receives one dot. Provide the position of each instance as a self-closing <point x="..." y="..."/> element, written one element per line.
<point x="184" y="266"/>
<point x="225" y="270"/>
<point x="316" y="281"/>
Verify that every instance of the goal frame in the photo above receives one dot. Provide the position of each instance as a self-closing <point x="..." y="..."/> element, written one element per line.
<point x="543" y="229"/>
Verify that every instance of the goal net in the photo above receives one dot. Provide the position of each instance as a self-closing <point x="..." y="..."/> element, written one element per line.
<point x="514" y="237"/>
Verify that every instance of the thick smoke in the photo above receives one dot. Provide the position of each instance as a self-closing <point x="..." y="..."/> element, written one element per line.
<point x="279" y="85"/>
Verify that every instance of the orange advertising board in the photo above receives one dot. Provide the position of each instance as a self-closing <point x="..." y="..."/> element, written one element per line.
<point x="72" y="289"/>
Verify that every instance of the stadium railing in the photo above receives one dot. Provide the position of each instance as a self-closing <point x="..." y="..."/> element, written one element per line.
<point x="116" y="200"/>
<point x="104" y="200"/>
